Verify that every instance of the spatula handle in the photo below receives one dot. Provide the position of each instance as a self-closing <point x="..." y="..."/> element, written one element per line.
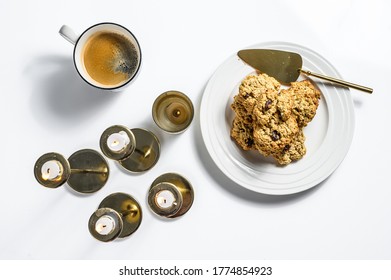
<point x="337" y="81"/>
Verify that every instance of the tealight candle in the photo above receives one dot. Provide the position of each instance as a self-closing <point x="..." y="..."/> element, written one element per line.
<point x="118" y="216"/>
<point x="105" y="225"/>
<point x="170" y="195"/>
<point x="118" y="141"/>
<point x="165" y="199"/>
<point x="51" y="170"/>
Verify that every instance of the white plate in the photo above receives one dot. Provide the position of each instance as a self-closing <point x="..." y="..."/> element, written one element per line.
<point x="328" y="135"/>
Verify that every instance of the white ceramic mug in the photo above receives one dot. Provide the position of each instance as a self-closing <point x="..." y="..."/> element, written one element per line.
<point x="79" y="42"/>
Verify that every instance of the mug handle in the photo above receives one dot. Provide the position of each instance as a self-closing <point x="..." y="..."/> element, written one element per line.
<point x="68" y="33"/>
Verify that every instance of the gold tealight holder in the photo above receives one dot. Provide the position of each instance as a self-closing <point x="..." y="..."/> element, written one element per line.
<point x="86" y="171"/>
<point x="170" y="195"/>
<point x="136" y="149"/>
<point x="118" y="216"/>
<point x="173" y="111"/>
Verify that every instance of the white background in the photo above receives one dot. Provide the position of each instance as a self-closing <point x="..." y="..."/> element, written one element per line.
<point x="46" y="107"/>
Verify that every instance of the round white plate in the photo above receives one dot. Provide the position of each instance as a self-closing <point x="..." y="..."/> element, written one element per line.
<point x="329" y="135"/>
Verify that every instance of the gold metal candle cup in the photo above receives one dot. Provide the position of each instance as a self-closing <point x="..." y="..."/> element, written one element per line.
<point x="86" y="171"/>
<point x="60" y="179"/>
<point x="120" y="205"/>
<point x="173" y="111"/>
<point x="181" y="195"/>
<point x="140" y="154"/>
<point x="125" y="151"/>
<point x="93" y="224"/>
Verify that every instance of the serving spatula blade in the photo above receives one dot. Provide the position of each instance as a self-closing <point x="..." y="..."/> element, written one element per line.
<point x="286" y="66"/>
<point x="283" y="66"/>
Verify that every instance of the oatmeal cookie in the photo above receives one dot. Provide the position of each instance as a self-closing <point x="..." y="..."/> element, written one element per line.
<point x="294" y="151"/>
<point x="272" y="137"/>
<point x="243" y="134"/>
<point x="252" y="91"/>
<point x="306" y="100"/>
<point x="271" y="121"/>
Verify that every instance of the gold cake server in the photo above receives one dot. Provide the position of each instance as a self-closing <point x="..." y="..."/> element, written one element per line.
<point x="286" y="67"/>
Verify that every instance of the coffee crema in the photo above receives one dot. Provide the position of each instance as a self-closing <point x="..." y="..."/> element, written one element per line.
<point x="110" y="58"/>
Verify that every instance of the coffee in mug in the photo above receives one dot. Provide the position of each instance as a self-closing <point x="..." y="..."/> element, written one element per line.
<point x="106" y="55"/>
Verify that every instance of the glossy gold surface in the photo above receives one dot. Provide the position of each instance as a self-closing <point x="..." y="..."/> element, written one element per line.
<point x="59" y="180"/>
<point x="181" y="189"/>
<point x="126" y="151"/>
<point x="337" y="81"/>
<point x="94" y="219"/>
<point x="146" y="153"/>
<point x="129" y="210"/>
<point x="89" y="171"/>
<point x="173" y="111"/>
<point x="86" y="171"/>
<point x="286" y="66"/>
<point x="283" y="66"/>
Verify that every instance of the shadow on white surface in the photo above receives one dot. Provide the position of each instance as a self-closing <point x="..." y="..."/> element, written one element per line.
<point x="59" y="97"/>
<point x="358" y="103"/>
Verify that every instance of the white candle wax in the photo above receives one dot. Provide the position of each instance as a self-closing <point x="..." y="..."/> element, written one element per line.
<point x="51" y="170"/>
<point x="118" y="141"/>
<point x="105" y="225"/>
<point x="165" y="199"/>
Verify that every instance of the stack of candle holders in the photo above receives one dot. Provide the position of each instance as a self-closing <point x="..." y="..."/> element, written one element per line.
<point x="136" y="150"/>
